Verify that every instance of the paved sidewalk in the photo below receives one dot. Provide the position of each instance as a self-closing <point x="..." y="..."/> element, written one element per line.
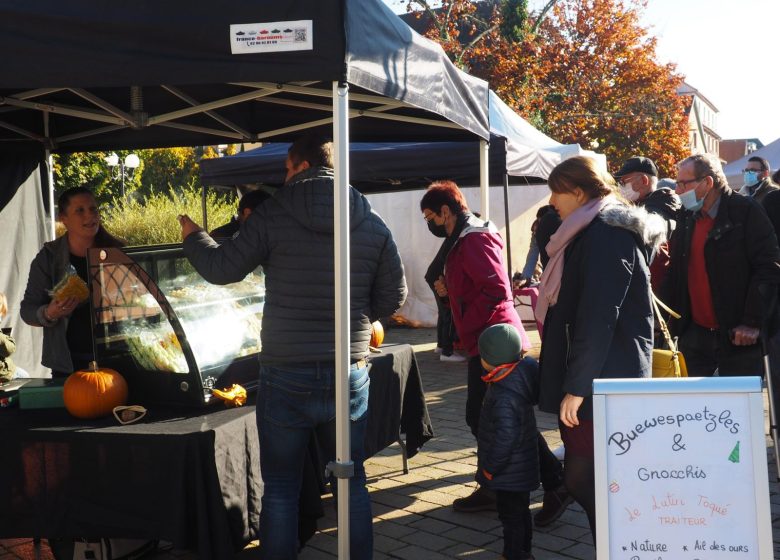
<point x="413" y="517"/>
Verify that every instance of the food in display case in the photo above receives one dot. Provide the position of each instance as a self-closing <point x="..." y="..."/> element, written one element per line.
<point x="177" y="335"/>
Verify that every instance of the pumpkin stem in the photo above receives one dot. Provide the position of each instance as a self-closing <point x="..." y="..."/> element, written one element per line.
<point x="93" y="366"/>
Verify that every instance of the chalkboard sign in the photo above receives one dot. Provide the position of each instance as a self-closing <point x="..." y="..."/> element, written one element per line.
<point x="681" y="469"/>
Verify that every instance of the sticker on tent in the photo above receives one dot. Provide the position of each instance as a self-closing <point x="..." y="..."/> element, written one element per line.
<point x="274" y="36"/>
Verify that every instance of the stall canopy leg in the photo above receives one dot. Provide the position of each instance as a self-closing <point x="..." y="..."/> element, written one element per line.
<point x="343" y="469"/>
<point x="484" y="179"/>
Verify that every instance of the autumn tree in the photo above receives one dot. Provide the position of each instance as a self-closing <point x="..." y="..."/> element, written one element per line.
<point x="160" y="170"/>
<point x="603" y="86"/>
<point x="583" y="71"/>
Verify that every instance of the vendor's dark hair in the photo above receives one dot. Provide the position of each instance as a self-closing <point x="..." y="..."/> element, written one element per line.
<point x="582" y="172"/>
<point x="444" y="193"/>
<point x="252" y="199"/>
<point x="314" y="148"/>
<point x="102" y="238"/>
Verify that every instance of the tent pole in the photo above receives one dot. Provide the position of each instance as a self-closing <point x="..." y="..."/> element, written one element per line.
<point x="484" y="179"/>
<point x="52" y="210"/>
<point x="342" y="469"/>
<point x="506" y="221"/>
<point x="50" y="174"/>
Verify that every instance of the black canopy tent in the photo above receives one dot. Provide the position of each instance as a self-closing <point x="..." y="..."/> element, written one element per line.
<point x="86" y="75"/>
<point x="374" y="166"/>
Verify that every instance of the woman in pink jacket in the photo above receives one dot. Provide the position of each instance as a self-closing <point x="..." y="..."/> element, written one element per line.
<point x="475" y="282"/>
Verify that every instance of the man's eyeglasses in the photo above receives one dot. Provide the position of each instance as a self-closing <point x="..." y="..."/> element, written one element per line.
<point x="682" y="184"/>
<point x="428" y="217"/>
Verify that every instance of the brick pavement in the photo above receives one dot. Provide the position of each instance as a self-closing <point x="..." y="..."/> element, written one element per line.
<point x="413" y="517"/>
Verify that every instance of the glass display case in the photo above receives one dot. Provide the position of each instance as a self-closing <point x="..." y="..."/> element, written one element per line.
<point x="173" y="335"/>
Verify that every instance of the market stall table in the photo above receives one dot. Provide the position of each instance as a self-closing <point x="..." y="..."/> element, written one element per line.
<point x="188" y="476"/>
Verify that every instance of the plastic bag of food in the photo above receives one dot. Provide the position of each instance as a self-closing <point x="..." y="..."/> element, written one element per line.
<point x="71" y="285"/>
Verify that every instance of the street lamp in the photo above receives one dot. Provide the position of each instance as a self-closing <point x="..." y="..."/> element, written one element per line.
<point x="131" y="162"/>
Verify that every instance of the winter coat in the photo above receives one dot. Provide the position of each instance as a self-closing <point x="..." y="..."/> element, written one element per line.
<point x="291" y="236"/>
<point x="546" y="228"/>
<point x="665" y="203"/>
<point x="741" y="254"/>
<point x="47" y="269"/>
<point x="761" y="190"/>
<point x="7" y="366"/>
<point x="478" y="286"/>
<point x="508" y="451"/>
<point x="602" y="323"/>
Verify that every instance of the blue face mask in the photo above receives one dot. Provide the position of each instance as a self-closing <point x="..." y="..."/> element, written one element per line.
<point x="750" y="178"/>
<point x="690" y="202"/>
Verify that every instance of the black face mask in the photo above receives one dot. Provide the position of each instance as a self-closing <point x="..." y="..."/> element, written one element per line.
<point x="436" y="229"/>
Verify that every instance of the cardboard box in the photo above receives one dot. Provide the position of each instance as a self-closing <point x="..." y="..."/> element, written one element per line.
<point x="41" y="393"/>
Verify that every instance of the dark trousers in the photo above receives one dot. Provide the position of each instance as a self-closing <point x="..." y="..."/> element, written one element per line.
<point x="704" y="352"/>
<point x="475" y="393"/>
<point x="516" y="520"/>
<point x="550" y="469"/>
<point x="445" y="330"/>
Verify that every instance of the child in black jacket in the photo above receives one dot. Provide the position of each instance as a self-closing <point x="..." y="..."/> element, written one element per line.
<point x="508" y="457"/>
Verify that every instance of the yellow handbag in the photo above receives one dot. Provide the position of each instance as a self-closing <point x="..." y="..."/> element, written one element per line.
<point x="667" y="363"/>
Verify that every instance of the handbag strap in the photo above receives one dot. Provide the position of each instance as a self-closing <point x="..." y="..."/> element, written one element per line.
<point x="669" y="310"/>
<point x="662" y="324"/>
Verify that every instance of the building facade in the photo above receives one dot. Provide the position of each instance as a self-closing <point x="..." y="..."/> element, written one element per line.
<point x="702" y="122"/>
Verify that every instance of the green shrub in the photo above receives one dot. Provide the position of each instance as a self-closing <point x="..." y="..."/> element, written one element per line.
<point x="153" y="220"/>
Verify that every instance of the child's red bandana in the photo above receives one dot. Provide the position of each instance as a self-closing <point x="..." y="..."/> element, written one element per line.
<point x="500" y="372"/>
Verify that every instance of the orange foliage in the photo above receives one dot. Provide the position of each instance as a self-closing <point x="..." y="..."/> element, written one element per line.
<point x="589" y="74"/>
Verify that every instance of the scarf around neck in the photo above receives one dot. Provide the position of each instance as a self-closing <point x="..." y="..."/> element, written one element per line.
<point x="550" y="285"/>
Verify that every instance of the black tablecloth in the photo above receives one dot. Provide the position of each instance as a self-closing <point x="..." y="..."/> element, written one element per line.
<point x="396" y="401"/>
<point x="187" y="476"/>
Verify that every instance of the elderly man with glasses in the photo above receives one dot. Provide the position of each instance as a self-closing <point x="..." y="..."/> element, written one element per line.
<point x="724" y="266"/>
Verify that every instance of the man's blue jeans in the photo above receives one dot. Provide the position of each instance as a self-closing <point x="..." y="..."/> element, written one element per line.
<point x="292" y="401"/>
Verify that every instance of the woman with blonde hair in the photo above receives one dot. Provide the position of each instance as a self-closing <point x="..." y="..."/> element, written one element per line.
<point x="594" y="302"/>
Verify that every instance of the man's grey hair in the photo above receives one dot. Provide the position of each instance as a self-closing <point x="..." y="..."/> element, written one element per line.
<point x="707" y="165"/>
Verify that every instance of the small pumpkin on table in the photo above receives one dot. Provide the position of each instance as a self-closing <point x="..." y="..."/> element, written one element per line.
<point x="94" y="392"/>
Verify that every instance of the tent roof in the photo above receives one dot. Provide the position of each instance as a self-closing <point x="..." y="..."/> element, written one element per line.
<point x="733" y="171"/>
<point x="374" y="166"/>
<point x="516" y="148"/>
<point x="87" y="75"/>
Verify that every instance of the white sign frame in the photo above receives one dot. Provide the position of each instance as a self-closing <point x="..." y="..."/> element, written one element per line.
<point x="646" y="388"/>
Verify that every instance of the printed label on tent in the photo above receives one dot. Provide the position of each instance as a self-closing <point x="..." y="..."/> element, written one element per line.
<point x="678" y="485"/>
<point x="275" y="36"/>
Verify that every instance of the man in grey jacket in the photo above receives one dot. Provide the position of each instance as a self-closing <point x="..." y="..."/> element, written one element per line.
<point x="291" y="236"/>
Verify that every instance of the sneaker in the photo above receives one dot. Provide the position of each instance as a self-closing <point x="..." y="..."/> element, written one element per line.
<point x="452" y="358"/>
<point x="481" y="499"/>
<point x="554" y="504"/>
<point x="437" y="350"/>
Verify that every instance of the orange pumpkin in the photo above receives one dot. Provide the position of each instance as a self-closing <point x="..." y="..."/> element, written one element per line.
<point x="94" y="392"/>
<point x="377" y="334"/>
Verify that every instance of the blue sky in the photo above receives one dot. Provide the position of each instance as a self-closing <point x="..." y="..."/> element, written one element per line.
<point x="727" y="50"/>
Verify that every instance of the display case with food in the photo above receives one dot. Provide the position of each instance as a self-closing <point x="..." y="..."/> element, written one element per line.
<point x="174" y="336"/>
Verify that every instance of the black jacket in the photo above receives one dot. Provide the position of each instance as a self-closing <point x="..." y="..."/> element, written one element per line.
<point x="602" y="324"/>
<point x="548" y="224"/>
<point x="508" y="447"/>
<point x="740" y="253"/>
<point x="291" y="236"/>
<point x="665" y="203"/>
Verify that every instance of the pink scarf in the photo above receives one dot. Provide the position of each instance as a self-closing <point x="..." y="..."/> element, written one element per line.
<point x="574" y="223"/>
